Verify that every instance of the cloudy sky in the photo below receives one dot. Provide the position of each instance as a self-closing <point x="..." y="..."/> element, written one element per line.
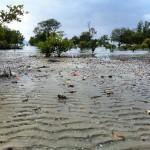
<point x="74" y="15"/>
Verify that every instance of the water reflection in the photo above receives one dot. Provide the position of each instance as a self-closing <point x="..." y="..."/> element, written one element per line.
<point x="102" y="52"/>
<point x="99" y="52"/>
<point x="26" y="51"/>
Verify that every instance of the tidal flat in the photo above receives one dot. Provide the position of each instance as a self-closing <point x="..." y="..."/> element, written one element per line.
<point x="75" y="103"/>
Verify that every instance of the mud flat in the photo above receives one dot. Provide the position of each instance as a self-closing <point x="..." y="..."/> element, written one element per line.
<point x="75" y="104"/>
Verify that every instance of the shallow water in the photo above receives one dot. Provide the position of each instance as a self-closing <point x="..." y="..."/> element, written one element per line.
<point x="108" y="95"/>
<point x="102" y="52"/>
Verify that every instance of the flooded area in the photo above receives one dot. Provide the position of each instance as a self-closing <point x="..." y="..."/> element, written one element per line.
<point x="75" y="103"/>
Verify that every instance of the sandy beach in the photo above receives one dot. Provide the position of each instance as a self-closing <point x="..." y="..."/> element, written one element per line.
<point x="75" y="104"/>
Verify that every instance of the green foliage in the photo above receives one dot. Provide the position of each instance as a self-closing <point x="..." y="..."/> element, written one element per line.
<point x="10" y="38"/>
<point x="55" y="44"/>
<point x="83" y="45"/>
<point x="47" y="26"/>
<point x="110" y="46"/>
<point x="103" y="40"/>
<point x="85" y="36"/>
<point x="75" y="40"/>
<point x="134" y="38"/>
<point x="93" y="44"/>
<point x="86" y="40"/>
<point x="13" y="13"/>
<point x="43" y="31"/>
<point x="146" y="43"/>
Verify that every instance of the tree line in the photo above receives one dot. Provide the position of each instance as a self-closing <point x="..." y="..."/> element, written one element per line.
<point x="138" y="38"/>
<point x="51" y="40"/>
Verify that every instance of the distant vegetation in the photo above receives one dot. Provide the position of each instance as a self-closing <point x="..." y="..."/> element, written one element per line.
<point x="51" y="41"/>
<point x="138" y="38"/>
<point x="10" y="38"/>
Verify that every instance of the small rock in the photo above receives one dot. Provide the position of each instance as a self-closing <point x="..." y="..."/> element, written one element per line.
<point x="72" y="92"/>
<point x="71" y="86"/>
<point x="39" y="70"/>
<point x="110" y="76"/>
<point x="14" y="82"/>
<point x="84" y="78"/>
<point x="61" y="96"/>
<point x="62" y="99"/>
<point x="25" y="100"/>
<point x="109" y="92"/>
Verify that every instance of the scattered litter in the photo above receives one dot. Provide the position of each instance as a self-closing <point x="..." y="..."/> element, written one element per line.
<point x="71" y="86"/>
<point x="25" y="100"/>
<point x="108" y="92"/>
<point x="62" y="99"/>
<point x="117" y="136"/>
<point x="61" y="96"/>
<point x="72" y="92"/>
<point x="110" y="76"/>
<point x="84" y="78"/>
<point x="148" y="112"/>
<point x="14" y="82"/>
<point x="94" y="97"/>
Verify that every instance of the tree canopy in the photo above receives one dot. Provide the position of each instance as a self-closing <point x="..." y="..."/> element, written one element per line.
<point x="12" y="13"/>
<point x="55" y="44"/>
<point x="10" y="38"/>
<point x="132" y="37"/>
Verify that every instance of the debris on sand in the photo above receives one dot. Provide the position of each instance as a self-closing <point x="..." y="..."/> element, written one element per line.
<point x="72" y="92"/>
<point x="117" y="136"/>
<point x="61" y="98"/>
<point x="110" y="76"/>
<point x="14" y="82"/>
<point x="42" y="67"/>
<point x="95" y="97"/>
<point x="148" y="112"/>
<point x="108" y="92"/>
<point x="25" y="100"/>
<point x="71" y="86"/>
<point x="75" y="73"/>
<point x="102" y="77"/>
<point x="84" y="78"/>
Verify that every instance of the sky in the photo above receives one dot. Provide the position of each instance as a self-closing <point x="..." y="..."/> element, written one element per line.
<point x="74" y="15"/>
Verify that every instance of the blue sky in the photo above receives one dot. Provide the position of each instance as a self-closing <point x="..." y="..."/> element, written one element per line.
<point x="74" y="15"/>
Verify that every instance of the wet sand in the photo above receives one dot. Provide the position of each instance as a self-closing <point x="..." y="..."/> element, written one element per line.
<point x="101" y="97"/>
